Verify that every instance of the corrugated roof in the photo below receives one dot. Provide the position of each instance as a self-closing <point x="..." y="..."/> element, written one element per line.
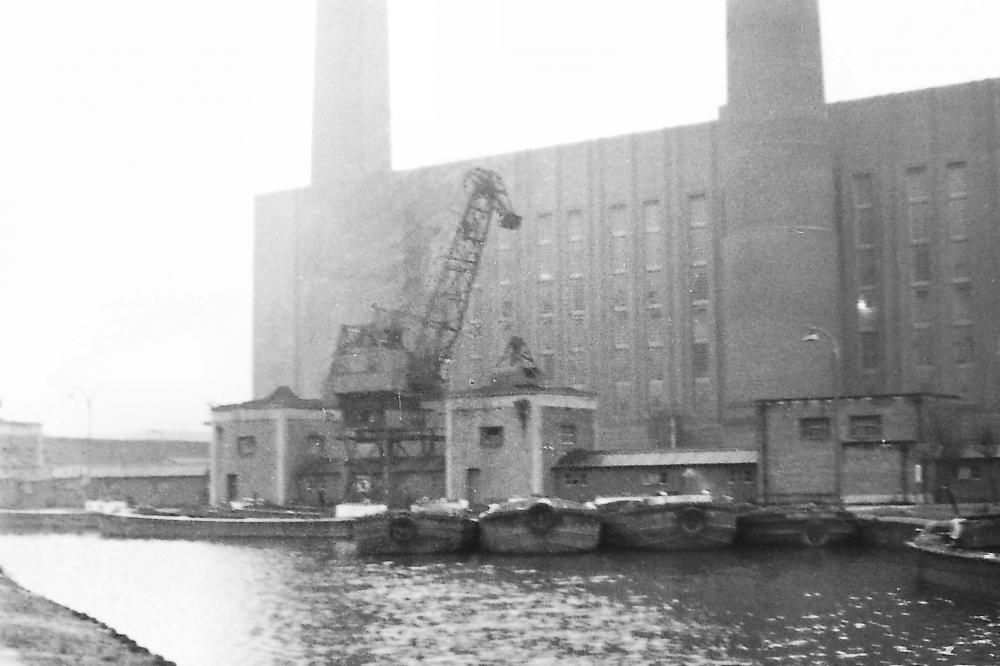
<point x="120" y="472"/>
<point x="668" y="458"/>
<point x="491" y="391"/>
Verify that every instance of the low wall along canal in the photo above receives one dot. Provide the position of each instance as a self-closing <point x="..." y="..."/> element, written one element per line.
<point x="315" y="601"/>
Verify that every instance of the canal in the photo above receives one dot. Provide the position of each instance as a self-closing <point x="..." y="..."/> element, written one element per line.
<point x="199" y="603"/>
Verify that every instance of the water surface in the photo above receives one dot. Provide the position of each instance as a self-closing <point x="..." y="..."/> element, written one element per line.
<point x="203" y="603"/>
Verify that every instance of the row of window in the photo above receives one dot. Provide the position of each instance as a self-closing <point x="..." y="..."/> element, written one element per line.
<point x="920" y="215"/>
<point x="492" y="437"/>
<point x="866" y="427"/>
<point x="316" y="445"/>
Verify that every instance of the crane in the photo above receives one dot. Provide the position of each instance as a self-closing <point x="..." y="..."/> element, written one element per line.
<point x="402" y="354"/>
<point x="386" y="373"/>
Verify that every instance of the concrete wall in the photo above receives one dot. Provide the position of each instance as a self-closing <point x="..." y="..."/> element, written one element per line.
<point x="521" y="465"/>
<point x="853" y="466"/>
<point x="736" y="481"/>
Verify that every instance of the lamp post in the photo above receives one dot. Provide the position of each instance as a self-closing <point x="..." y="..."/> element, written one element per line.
<point x="815" y="334"/>
<point x="88" y="397"/>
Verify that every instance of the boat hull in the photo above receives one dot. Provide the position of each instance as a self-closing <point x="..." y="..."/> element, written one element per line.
<point x="139" y="526"/>
<point x="975" y="573"/>
<point x="668" y="526"/>
<point x="540" y="529"/>
<point x="790" y="526"/>
<point x="406" y="532"/>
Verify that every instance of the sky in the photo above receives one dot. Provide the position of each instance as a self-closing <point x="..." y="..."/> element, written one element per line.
<point x="134" y="135"/>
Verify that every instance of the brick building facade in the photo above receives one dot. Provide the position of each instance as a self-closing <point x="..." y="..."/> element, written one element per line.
<point x="671" y="272"/>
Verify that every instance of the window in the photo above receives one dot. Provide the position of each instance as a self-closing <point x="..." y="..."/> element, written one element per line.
<point x="701" y="245"/>
<point x="964" y="344"/>
<point x="921" y="305"/>
<point x="651" y="215"/>
<point x="921" y="263"/>
<point x="655" y="251"/>
<point x="958" y="223"/>
<point x="577" y="256"/>
<point x="621" y="362"/>
<point x="576" y="477"/>
<point x="575" y="367"/>
<point x="567" y="434"/>
<point x="961" y="310"/>
<point x="621" y="331"/>
<point x="491" y="437"/>
<point x="957" y="187"/>
<point x="622" y="397"/>
<point x="620" y="252"/>
<point x="700" y="215"/>
<point x="868" y="264"/>
<point x="574" y="225"/>
<point x="618" y="220"/>
<point x="959" y="259"/>
<point x="699" y="283"/>
<point x="619" y="291"/>
<point x="577" y="294"/>
<point x="316" y="445"/>
<point x="918" y="205"/>
<point x="246" y="446"/>
<point x="507" y="308"/>
<point x="544" y="228"/>
<point x="546" y="297"/>
<point x="655" y="478"/>
<point x="864" y="195"/>
<point x="549" y="365"/>
<point x="922" y="348"/>
<point x="869" y="231"/>
<point x="868" y="427"/>
<point x="814" y="427"/>
<point x="699" y="359"/>
<point x="870" y="349"/>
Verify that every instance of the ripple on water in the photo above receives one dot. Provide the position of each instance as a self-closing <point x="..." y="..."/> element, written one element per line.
<point x="307" y="603"/>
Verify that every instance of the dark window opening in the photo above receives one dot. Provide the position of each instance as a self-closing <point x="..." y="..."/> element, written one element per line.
<point x="491" y="436"/>
<point x="814" y="428"/>
<point x="866" y="427"/>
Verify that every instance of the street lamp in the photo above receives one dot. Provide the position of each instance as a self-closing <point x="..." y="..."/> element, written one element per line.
<point x="88" y="397"/>
<point x="815" y="334"/>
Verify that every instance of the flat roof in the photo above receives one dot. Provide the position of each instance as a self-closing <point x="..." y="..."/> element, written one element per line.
<point x="863" y="396"/>
<point x="666" y="458"/>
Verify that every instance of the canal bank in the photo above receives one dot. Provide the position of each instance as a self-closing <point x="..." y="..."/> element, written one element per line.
<point x="34" y="630"/>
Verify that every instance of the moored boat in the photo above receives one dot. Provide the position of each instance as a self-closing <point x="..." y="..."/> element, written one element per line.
<point x="539" y="525"/>
<point x="810" y="525"/>
<point x="961" y="555"/>
<point x="154" y="525"/>
<point x="423" y="529"/>
<point x="667" y="522"/>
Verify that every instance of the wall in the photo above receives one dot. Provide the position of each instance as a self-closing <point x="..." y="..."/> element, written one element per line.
<point x="504" y="471"/>
<point x="161" y="491"/>
<point x="553" y="446"/>
<point x="256" y="474"/>
<point x="736" y="481"/>
<point x="881" y="139"/>
<point x="362" y="225"/>
<point x="853" y="467"/>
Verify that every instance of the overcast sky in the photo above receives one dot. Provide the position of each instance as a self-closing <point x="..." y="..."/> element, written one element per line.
<point x="135" y="133"/>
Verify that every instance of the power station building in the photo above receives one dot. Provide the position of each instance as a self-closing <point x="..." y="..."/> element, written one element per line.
<point x="679" y="274"/>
